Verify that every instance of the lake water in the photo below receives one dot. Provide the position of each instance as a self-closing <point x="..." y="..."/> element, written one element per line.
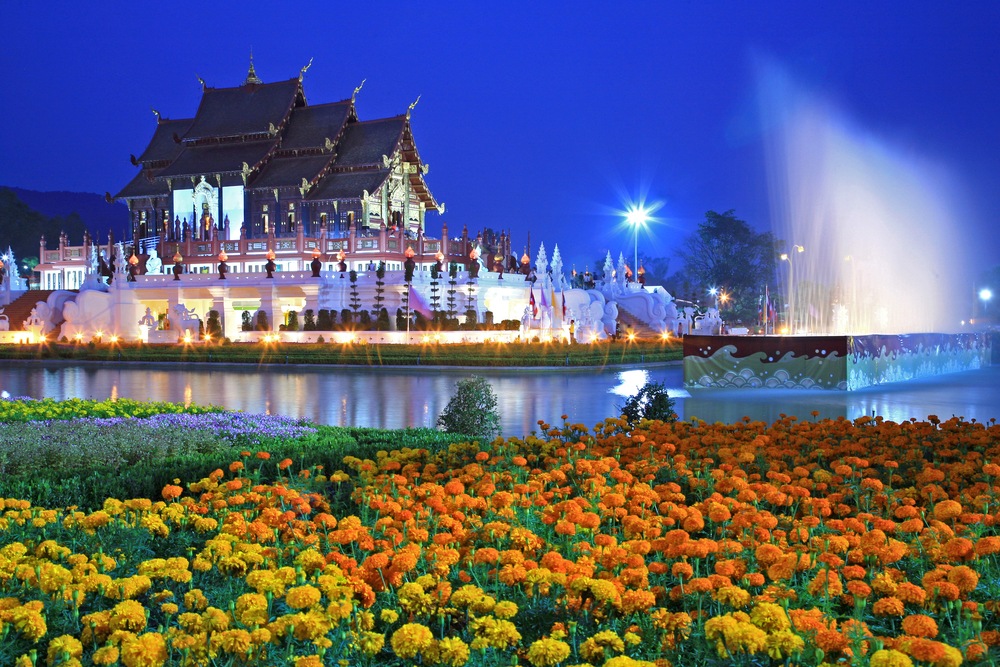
<point x="399" y="397"/>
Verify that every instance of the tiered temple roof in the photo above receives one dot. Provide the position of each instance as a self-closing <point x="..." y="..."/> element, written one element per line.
<point x="266" y="136"/>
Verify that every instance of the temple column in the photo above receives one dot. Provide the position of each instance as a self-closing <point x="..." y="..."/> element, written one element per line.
<point x="222" y="303"/>
<point x="268" y="299"/>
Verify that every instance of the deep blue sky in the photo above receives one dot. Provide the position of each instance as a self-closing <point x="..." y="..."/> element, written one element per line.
<point x="539" y="116"/>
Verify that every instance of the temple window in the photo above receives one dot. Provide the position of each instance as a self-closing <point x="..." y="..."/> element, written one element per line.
<point x="267" y="227"/>
<point x="291" y="221"/>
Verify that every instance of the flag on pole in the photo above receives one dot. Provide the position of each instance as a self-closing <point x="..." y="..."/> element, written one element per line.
<point x="564" y="304"/>
<point x="772" y="314"/>
<point x="531" y="302"/>
<point x="418" y="304"/>
<point x="542" y="292"/>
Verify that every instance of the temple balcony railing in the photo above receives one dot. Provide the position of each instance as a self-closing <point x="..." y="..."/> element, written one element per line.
<point x="367" y="245"/>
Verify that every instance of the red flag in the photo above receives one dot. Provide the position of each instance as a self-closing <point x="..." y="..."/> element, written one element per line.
<point x="531" y="302"/>
<point x="564" y="303"/>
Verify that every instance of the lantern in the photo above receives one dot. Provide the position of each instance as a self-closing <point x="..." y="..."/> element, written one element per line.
<point x="474" y="255"/>
<point x="642" y="271"/>
<point x="222" y="256"/>
<point x="270" y="254"/>
<point x="525" y="259"/>
<point x="409" y="251"/>
<point x="340" y="255"/>
<point x="133" y="260"/>
<point x="439" y="256"/>
<point x="177" y="256"/>
<point x="315" y="253"/>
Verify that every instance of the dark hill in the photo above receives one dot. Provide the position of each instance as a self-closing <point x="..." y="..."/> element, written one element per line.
<point x="97" y="214"/>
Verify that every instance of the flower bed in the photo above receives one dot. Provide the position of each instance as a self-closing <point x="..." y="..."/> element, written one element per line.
<point x="863" y="542"/>
<point x="26" y="409"/>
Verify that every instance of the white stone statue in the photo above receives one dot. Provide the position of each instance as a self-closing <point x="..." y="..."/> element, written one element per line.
<point x="121" y="265"/>
<point x="182" y="318"/>
<point x="154" y="265"/>
<point x="35" y="325"/>
<point x="4" y="321"/>
<point x="93" y="264"/>
<point x="148" y="319"/>
<point x="525" y="322"/>
<point x="546" y="318"/>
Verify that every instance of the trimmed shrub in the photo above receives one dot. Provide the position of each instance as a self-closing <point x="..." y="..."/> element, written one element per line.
<point x="472" y="410"/>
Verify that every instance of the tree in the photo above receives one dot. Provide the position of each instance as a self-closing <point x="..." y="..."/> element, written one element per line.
<point x="355" y="299"/>
<point x="214" y="325"/>
<point x="472" y="410"/>
<point x="435" y="297"/>
<point x="727" y="254"/>
<point x="325" y="321"/>
<point x="652" y="402"/>
<point x="452" y="289"/>
<point x="379" y="287"/>
<point x="293" y="321"/>
<point x="247" y="320"/>
<point x="262" y="321"/>
<point x="657" y="269"/>
<point x="309" y="320"/>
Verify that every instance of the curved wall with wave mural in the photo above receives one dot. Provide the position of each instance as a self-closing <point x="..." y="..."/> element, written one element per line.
<point x="827" y="362"/>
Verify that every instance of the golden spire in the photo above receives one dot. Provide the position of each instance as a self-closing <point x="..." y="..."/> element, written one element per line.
<point x="251" y="75"/>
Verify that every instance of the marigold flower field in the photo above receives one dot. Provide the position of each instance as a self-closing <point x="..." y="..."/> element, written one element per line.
<point x="865" y="542"/>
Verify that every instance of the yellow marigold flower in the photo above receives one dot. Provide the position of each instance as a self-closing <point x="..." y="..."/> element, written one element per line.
<point x="168" y="608"/>
<point x="371" y="643"/>
<point x="195" y="599"/>
<point x="29" y="621"/>
<point x="148" y="650"/>
<point x="106" y="656"/>
<point x="24" y="661"/>
<point x="593" y="648"/>
<point x="625" y="661"/>
<point x="389" y="616"/>
<point x="505" y="609"/>
<point x="734" y="596"/>
<point x="770" y="617"/>
<point x="235" y="641"/>
<point x="260" y="636"/>
<point x="784" y="644"/>
<point x="411" y="639"/>
<point x="452" y="651"/>
<point x="632" y="639"/>
<point x="309" y="661"/>
<point x="128" y="615"/>
<point x="302" y="597"/>
<point x="548" y="652"/>
<point x="890" y="658"/>
<point x="60" y="647"/>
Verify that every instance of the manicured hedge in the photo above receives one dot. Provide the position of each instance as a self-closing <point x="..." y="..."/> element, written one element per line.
<point x="87" y="486"/>
<point x="478" y="354"/>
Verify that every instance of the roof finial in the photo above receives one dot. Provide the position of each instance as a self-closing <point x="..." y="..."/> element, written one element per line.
<point x="201" y="81"/>
<point x="251" y="75"/>
<point x="302" y="72"/>
<point x="410" y="108"/>
<point x="358" y="89"/>
<point x="156" y="112"/>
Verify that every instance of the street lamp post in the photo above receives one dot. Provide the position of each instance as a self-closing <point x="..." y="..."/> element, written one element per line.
<point x="985" y="295"/>
<point x="636" y="217"/>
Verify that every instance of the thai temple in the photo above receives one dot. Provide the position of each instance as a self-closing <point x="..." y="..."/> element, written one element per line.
<point x="261" y="205"/>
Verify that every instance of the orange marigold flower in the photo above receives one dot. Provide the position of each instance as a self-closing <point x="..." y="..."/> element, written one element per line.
<point x="170" y="492"/>
<point x="284" y="464"/>
<point x="888" y="606"/>
<point x="148" y="650"/>
<point x="959" y="549"/>
<point x="682" y="571"/>
<point x="947" y="509"/>
<point x="964" y="577"/>
<point x="919" y="625"/>
<point x="235" y="465"/>
<point x="263" y="456"/>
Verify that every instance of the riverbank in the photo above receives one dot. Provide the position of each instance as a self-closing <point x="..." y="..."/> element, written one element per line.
<point x="475" y="355"/>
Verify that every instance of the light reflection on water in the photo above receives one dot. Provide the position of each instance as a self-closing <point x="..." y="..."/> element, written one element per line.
<point x="396" y="398"/>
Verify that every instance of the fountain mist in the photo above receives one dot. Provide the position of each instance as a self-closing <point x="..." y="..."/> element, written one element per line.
<point x="879" y="240"/>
